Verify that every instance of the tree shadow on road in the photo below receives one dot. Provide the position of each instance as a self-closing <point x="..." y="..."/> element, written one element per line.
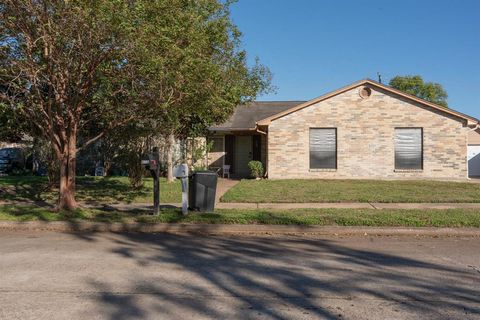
<point x="271" y="277"/>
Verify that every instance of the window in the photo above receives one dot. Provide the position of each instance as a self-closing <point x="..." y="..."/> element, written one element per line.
<point x="217" y="144"/>
<point x="323" y="148"/>
<point x="409" y="148"/>
<point x="215" y="154"/>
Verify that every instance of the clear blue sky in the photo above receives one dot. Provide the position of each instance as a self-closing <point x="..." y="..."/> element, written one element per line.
<point x="315" y="46"/>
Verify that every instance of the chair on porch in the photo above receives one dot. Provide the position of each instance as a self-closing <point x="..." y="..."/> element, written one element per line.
<point x="226" y="171"/>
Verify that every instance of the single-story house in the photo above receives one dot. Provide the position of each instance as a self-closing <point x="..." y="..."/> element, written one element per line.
<point x="365" y="130"/>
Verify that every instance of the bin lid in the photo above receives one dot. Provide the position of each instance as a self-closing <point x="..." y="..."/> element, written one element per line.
<point x="208" y="172"/>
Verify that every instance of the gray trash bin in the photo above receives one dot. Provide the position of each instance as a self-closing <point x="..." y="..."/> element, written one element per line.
<point x="202" y="187"/>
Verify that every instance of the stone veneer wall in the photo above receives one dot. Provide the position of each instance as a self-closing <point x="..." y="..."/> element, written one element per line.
<point x="365" y="138"/>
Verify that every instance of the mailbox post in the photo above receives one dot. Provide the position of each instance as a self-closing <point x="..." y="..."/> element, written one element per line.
<point x="153" y="164"/>
<point x="181" y="172"/>
<point x="155" y="171"/>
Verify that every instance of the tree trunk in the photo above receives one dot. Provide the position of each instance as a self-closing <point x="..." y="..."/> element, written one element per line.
<point x="170" y="143"/>
<point x="68" y="162"/>
<point x="107" y="164"/>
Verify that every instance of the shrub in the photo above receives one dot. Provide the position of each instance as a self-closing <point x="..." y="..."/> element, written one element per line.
<point x="199" y="168"/>
<point x="256" y="169"/>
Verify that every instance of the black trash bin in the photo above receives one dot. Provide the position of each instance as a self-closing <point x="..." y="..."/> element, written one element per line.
<point x="202" y="186"/>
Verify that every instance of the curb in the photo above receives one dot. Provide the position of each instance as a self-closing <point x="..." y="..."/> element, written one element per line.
<point x="225" y="229"/>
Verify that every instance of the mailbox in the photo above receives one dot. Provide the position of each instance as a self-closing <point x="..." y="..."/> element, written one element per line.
<point x="153" y="162"/>
<point x="145" y="163"/>
<point x="180" y="171"/>
<point x="150" y="163"/>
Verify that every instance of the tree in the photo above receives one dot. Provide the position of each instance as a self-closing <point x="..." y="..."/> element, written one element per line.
<point x="77" y="69"/>
<point x="204" y="75"/>
<point x="53" y="51"/>
<point x="169" y="146"/>
<point x="415" y="85"/>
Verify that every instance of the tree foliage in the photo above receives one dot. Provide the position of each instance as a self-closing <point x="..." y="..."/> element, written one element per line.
<point x="78" y="69"/>
<point x="193" y="69"/>
<point x="414" y="85"/>
<point x="13" y="126"/>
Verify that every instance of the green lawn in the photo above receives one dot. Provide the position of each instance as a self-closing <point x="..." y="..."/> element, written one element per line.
<point x="264" y="191"/>
<point x="321" y="217"/>
<point x="95" y="189"/>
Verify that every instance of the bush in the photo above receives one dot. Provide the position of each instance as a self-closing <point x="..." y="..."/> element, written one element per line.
<point x="199" y="168"/>
<point x="256" y="169"/>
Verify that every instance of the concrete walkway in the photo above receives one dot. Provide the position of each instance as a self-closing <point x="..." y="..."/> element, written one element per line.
<point x="280" y="206"/>
<point x="286" y="206"/>
<point x="348" y="205"/>
<point x="343" y="205"/>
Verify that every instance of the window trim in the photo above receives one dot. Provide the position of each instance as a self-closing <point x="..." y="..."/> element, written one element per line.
<point x="395" y="169"/>
<point x="336" y="151"/>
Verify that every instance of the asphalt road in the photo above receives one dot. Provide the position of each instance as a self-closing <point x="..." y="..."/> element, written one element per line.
<point x="146" y="276"/>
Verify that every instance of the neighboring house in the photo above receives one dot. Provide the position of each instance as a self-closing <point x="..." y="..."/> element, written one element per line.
<point x="363" y="131"/>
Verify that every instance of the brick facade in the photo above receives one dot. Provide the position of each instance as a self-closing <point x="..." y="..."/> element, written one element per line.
<point x="365" y="138"/>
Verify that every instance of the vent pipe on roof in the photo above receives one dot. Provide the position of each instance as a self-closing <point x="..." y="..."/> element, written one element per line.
<point x="379" y="77"/>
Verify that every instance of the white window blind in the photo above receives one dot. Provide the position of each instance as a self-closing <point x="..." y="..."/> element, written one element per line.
<point x="409" y="148"/>
<point x="323" y="148"/>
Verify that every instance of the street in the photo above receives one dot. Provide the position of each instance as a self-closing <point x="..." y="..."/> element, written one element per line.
<point x="46" y="275"/>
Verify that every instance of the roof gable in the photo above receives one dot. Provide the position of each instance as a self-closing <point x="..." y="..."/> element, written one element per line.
<point x="268" y="120"/>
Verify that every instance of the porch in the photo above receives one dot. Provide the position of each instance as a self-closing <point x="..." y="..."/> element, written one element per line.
<point x="236" y="149"/>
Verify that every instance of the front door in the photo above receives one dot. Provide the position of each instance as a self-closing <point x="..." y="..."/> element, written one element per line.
<point x="243" y="155"/>
<point x="257" y="148"/>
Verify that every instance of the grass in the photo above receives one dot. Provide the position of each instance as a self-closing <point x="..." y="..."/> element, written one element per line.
<point x="321" y="217"/>
<point x="276" y="191"/>
<point x="89" y="189"/>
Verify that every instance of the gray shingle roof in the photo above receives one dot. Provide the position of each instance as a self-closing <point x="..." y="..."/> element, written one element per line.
<point x="245" y="116"/>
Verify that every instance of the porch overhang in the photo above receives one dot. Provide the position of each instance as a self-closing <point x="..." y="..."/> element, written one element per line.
<point x="234" y="131"/>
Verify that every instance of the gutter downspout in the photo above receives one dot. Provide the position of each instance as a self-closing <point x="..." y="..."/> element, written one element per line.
<point x="477" y="126"/>
<point x="260" y="131"/>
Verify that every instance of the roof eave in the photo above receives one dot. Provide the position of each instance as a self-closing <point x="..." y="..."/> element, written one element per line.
<point x="267" y="121"/>
<point x="231" y="129"/>
<point x="425" y="102"/>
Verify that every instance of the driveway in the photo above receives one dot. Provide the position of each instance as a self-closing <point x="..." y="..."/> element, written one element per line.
<point x="158" y="276"/>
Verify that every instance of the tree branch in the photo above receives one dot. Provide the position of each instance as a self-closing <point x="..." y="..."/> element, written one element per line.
<point x="103" y="132"/>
